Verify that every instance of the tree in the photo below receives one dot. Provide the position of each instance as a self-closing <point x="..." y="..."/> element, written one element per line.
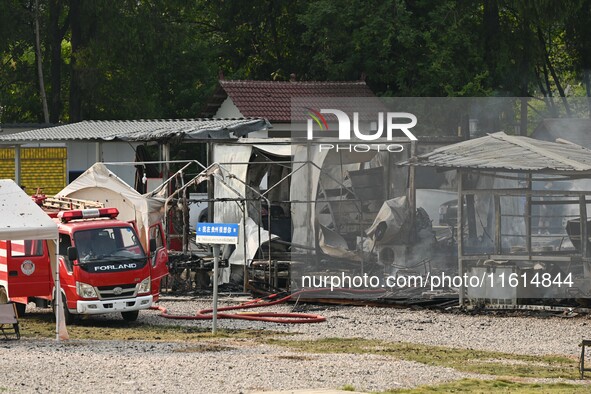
<point x="55" y="35"/>
<point x="109" y="59"/>
<point x="255" y="40"/>
<point x="19" y="95"/>
<point x="39" y="61"/>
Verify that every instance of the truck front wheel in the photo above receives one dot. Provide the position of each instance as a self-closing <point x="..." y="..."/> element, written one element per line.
<point x="130" y="316"/>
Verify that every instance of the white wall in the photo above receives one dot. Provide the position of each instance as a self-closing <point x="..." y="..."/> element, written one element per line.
<point x="228" y="110"/>
<point x="82" y="155"/>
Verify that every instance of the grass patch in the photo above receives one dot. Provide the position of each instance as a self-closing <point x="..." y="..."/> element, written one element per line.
<point x="348" y="387"/>
<point x="467" y="360"/>
<point x="494" y="386"/>
<point x="292" y="357"/>
<point x="203" y="348"/>
<point x="43" y="326"/>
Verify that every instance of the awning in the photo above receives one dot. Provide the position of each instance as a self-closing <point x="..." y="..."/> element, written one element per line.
<point x="21" y="217"/>
<point x="141" y="130"/>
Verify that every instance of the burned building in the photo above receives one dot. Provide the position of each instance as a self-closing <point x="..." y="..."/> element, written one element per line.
<point x="523" y="226"/>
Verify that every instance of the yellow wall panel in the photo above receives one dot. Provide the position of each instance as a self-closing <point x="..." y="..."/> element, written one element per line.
<point x="6" y="153"/>
<point x="40" y="168"/>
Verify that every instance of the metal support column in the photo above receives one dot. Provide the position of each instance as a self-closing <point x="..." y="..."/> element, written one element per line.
<point x="460" y="236"/>
<point x="17" y="164"/>
<point x="243" y="229"/>
<point x="498" y="227"/>
<point x="210" y="184"/>
<point x="583" y="218"/>
<point x="412" y="190"/>
<point x="98" y="153"/>
<point x="528" y="212"/>
<point x="165" y="158"/>
<point x="216" y="262"/>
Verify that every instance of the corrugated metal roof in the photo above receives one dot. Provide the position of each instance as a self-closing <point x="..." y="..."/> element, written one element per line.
<point x="500" y="151"/>
<point x="142" y="130"/>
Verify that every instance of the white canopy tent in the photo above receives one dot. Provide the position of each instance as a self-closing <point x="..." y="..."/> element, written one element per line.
<point x="98" y="183"/>
<point x="308" y="165"/>
<point x="22" y="219"/>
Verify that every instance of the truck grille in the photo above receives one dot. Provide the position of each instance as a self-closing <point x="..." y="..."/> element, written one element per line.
<point x="116" y="291"/>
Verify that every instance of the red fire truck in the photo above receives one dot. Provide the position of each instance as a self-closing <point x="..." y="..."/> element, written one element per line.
<point x="104" y="268"/>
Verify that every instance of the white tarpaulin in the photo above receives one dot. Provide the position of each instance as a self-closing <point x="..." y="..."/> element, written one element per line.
<point x="98" y="183"/>
<point x="391" y="222"/>
<point x="252" y="238"/>
<point x="334" y="166"/>
<point x="23" y="219"/>
<point x="306" y="179"/>
<point x="304" y="183"/>
<point x="231" y="188"/>
<point x="333" y="244"/>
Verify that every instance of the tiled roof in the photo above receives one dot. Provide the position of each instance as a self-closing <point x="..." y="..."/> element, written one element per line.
<point x="518" y="154"/>
<point x="142" y="130"/>
<point x="272" y="99"/>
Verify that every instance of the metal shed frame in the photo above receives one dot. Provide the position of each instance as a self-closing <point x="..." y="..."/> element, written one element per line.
<point x="522" y="159"/>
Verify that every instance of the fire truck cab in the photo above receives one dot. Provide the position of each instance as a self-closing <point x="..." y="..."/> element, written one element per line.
<point x="104" y="268"/>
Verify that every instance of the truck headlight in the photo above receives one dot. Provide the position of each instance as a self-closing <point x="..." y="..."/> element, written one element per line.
<point x="85" y="290"/>
<point x="144" y="287"/>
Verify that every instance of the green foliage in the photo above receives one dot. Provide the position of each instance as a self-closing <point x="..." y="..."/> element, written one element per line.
<point x="257" y="39"/>
<point x="153" y="58"/>
<point x="18" y="83"/>
<point x="157" y="67"/>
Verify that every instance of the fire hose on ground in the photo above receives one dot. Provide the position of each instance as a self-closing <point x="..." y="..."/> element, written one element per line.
<point x="271" y="317"/>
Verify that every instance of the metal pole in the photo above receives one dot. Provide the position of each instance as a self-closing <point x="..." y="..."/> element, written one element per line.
<point x="166" y="166"/>
<point x="245" y="279"/>
<point x="310" y="236"/>
<point x="58" y="293"/>
<point x="498" y="227"/>
<point x="214" y="316"/>
<point x="583" y="228"/>
<point x="460" y="234"/>
<point x="269" y="240"/>
<point x="412" y="190"/>
<point x="98" y="153"/>
<point x="528" y="213"/>
<point x="17" y="165"/>
<point x="211" y="185"/>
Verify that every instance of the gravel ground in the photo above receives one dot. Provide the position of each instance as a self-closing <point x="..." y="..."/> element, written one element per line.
<point x="533" y="335"/>
<point x="117" y="367"/>
<point x="242" y="365"/>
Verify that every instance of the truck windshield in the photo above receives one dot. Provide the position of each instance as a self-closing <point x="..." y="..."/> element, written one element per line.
<point x="115" y="243"/>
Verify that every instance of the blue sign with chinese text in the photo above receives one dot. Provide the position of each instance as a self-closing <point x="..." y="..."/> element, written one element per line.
<point x="217" y="233"/>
